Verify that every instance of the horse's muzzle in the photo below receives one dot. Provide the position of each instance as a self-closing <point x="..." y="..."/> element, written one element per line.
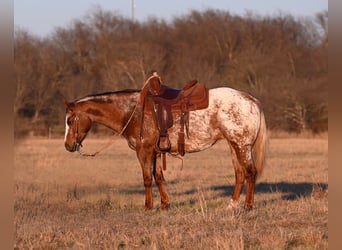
<point x="72" y="147"/>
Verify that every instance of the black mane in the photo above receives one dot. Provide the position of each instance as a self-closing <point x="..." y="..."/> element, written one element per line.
<point x="109" y="93"/>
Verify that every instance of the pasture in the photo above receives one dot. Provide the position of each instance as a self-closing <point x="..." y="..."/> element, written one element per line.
<point x="63" y="200"/>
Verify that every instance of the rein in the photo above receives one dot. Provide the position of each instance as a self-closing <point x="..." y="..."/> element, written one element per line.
<point x="109" y="143"/>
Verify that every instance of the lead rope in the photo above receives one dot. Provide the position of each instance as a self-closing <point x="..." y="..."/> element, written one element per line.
<point x="178" y="156"/>
<point x="111" y="141"/>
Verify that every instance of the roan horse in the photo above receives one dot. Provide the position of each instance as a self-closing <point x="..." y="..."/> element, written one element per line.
<point x="231" y="115"/>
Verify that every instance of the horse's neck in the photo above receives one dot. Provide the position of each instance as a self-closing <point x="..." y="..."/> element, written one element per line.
<point x="111" y="114"/>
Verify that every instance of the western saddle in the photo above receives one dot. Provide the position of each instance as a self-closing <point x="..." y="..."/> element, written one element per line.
<point x="159" y="102"/>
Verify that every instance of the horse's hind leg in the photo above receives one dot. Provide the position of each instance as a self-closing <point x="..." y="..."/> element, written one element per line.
<point x="159" y="179"/>
<point x="251" y="175"/>
<point x="239" y="179"/>
<point x="244" y="169"/>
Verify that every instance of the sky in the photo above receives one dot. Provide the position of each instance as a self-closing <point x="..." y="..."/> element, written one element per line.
<point x="41" y="17"/>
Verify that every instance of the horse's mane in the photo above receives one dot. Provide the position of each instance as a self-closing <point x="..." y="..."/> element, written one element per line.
<point x="108" y="93"/>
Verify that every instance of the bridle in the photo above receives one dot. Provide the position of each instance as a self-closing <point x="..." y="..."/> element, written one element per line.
<point x="77" y="143"/>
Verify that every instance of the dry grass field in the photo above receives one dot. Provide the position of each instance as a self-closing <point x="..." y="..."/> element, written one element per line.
<point x="65" y="201"/>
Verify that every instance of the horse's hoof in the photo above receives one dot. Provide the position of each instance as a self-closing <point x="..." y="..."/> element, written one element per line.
<point x="248" y="207"/>
<point x="147" y="208"/>
<point x="164" y="207"/>
<point x="232" y="204"/>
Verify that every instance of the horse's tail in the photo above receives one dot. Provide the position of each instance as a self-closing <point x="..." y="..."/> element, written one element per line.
<point x="260" y="145"/>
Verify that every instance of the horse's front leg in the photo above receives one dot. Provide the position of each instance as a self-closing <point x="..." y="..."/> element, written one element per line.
<point x="159" y="179"/>
<point x="146" y="158"/>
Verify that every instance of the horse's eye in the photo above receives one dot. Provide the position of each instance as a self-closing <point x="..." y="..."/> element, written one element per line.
<point x="69" y="122"/>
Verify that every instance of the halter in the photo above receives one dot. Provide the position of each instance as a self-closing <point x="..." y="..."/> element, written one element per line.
<point x="110" y="142"/>
<point x="78" y="144"/>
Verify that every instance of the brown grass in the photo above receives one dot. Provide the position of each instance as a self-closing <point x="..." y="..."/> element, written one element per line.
<point x="65" y="201"/>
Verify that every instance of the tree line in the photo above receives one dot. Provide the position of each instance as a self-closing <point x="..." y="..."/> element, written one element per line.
<point x="282" y="60"/>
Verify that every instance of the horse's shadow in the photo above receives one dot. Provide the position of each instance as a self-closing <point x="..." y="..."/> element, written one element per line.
<point x="288" y="190"/>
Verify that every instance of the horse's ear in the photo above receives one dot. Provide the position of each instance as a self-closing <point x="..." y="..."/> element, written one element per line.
<point x="67" y="104"/>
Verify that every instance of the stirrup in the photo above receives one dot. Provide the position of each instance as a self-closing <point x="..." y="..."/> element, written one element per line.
<point x="164" y="144"/>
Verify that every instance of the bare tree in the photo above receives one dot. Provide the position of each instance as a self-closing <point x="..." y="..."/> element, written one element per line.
<point x="282" y="60"/>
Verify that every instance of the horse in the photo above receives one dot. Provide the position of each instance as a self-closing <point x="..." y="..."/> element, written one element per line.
<point x="232" y="115"/>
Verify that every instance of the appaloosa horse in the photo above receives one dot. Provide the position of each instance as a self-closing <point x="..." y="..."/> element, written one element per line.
<point x="231" y="115"/>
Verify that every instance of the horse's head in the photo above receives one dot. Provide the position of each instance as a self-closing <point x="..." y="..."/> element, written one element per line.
<point x="77" y="125"/>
